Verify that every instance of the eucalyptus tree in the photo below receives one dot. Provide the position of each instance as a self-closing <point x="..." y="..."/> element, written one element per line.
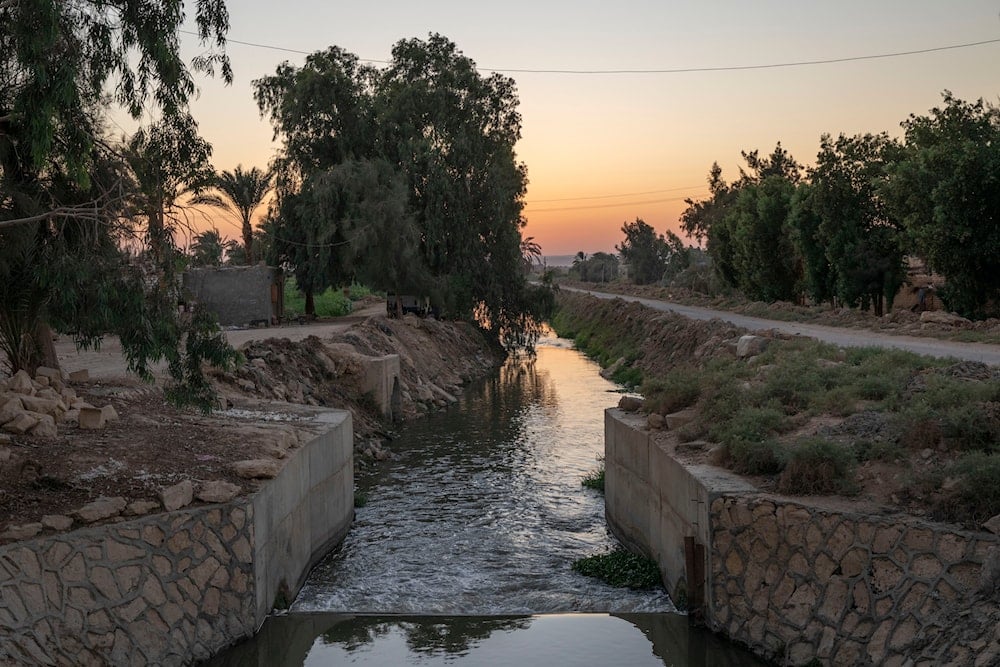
<point x="448" y="133"/>
<point x="65" y="195"/>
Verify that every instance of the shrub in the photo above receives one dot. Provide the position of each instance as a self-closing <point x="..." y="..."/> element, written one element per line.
<point x="818" y="467"/>
<point x="973" y="426"/>
<point x="595" y="478"/>
<point x="675" y="391"/>
<point x="973" y="496"/>
<point x="620" y="568"/>
<point x="755" y="457"/>
<point x="750" y="424"/>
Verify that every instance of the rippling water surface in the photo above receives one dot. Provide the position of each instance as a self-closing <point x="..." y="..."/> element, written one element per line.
<point x="482" y="510"/>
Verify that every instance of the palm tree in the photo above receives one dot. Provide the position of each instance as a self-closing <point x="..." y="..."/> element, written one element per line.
<point x="207" y="248"/>
<point x="241" y="192"/>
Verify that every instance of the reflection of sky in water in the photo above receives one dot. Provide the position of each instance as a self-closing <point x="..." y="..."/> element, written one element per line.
<point x="482" y="511"/>
<point x="541" y="640"/>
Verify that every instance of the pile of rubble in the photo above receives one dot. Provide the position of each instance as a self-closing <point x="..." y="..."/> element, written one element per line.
<point x="36" y="406"/>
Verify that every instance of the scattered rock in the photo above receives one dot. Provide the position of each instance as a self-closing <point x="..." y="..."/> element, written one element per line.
<point x="677" y="419"/>
<point x="257" y="468"/>
<point x="25" y="532"/>
<point x="140" y="507"/>
<point x="750" y="346"/>
<point x="609" y="372"/>
<point x="177" y="496"/>
<point x="655" y="421"/>
<point x="941" y="317"/>
<point x="692" y="447"/>
<point x="109" y="412"/>
<point x="630" y="403"/>
<point x="993" y="525"/>
<point x="81" y="375"/>
<point x="20" y="383"/>
<point x="45" y="428"/>
<point x="57" y="522"/>
<point x="20" y="424"/>
<point x="51" y="373"/>
<point x="102" y="508"/>
<point x="91" y="418"/>
<point x="10" y="408"/>
<point x="4" y="451"/>
<point x="218" y="491"/>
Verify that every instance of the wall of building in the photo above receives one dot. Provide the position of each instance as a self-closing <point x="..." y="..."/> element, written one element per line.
<point x="238" y="295"/>
<point x="795" y="580"/>
<point x="174" y="588"/>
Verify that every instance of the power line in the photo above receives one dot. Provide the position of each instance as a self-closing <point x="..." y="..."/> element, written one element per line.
<point x="624" y="194"/>
<point x="624" y="203"/>
<point x="676" y="70"/>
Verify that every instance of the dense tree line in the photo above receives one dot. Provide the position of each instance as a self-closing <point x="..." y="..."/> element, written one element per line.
<point x="404" y="178"/>
<point x="841" y="229"/>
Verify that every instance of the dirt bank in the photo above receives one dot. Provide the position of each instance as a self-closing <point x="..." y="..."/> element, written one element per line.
<point x="151" y="446"/>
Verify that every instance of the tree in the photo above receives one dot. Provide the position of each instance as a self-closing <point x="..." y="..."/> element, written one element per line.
<point x="66" y="199"/>
<point x="447" y="133"/>
<point x="946" y="190"/>
<point x="207" y="248"/>
<point x="862" y="247"/>
<point x="644" y="251"/>
<point x="240" y="192"/>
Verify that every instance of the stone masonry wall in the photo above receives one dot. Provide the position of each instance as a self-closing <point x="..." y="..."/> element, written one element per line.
<point x="162" y="590"/>
<point x="804" y="582"/>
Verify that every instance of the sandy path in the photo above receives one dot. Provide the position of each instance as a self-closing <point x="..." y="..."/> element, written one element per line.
<point x="107" y="362"/>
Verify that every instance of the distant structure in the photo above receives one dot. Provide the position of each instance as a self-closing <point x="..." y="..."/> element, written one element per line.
<point x="238" y="295"/>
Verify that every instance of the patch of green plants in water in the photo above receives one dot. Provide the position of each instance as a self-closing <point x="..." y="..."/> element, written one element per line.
<point x="595" y="478"/>
<point x="620" y="568"/>
<point x="360" y="498"/>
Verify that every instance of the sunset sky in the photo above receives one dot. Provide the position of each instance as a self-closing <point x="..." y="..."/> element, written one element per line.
<point x="603" y="148"/>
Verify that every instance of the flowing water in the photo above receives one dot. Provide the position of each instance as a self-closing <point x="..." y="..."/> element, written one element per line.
<point x="469" y="534"/>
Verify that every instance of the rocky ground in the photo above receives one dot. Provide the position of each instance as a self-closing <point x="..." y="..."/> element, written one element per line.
<point x="81" y="450"/>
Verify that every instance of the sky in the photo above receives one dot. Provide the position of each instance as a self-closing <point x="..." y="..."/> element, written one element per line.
<point x="605" y="148"/>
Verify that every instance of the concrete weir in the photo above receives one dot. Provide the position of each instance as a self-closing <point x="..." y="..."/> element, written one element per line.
<point x="177" y="587"/>
<point x="798" y="579"/>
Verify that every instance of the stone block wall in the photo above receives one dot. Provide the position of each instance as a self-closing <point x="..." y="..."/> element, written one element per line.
<point x="846" y="588"/>
<point x="158" y="591"/>
<point x="798" y="581"/>
<point x="175" y="588"/>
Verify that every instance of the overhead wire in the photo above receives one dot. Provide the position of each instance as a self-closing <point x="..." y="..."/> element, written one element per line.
<point x="668" y="70"/>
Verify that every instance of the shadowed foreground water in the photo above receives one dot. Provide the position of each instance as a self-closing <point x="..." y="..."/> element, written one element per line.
<point x="463" y="552"/>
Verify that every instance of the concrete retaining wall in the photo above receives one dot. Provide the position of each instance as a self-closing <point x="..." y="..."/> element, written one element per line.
<point x="794" y="581"/>
<point x="170" y="589"/>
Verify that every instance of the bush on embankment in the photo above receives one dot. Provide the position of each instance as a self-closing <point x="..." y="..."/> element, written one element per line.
<point x="808" y="414"/>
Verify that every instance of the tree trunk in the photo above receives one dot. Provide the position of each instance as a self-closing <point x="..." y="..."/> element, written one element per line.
<point x="45" y="349"/>
<point x="310" y="304"/>
<point x="248" y="241"/>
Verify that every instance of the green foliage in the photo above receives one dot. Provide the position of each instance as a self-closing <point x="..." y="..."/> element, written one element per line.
<point x="645" y="252"/>
<point x="329" y="303"/>
<point x="601" y="267"/>
<point x="818" y="467"/>
<point x="360" y="498"/>
<point x="945" y="190"/>
<point x="406" y="178"/>
<point x="207" y="248"/>
<point x="203" y="343"/>
<point x="974" y="494"/>
<point x="620" y="568"/>
<point x="674" y="391"/>
<point x="595" y="478"/>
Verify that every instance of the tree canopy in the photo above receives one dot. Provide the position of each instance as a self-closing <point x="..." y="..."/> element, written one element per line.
<point x="412" y="165"/>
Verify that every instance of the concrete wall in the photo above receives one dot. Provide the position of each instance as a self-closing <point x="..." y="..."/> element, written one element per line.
<point x="304" y="512"/>
<point x="173" y="588"/>
<point x="382" y="380"/>
<point x="653" y="502"/>
<point x="797" y="581"/>
<point x="238" y="295"/>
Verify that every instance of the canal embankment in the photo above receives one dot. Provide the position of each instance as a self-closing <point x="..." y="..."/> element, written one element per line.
<point x="810" y="502"/>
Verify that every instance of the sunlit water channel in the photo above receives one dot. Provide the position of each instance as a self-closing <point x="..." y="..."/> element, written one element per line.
<point x="469" y="535"/>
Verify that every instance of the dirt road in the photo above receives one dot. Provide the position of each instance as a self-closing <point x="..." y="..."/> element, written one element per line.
<point x="107" y="362"/>
<point x="983" y="352"/>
